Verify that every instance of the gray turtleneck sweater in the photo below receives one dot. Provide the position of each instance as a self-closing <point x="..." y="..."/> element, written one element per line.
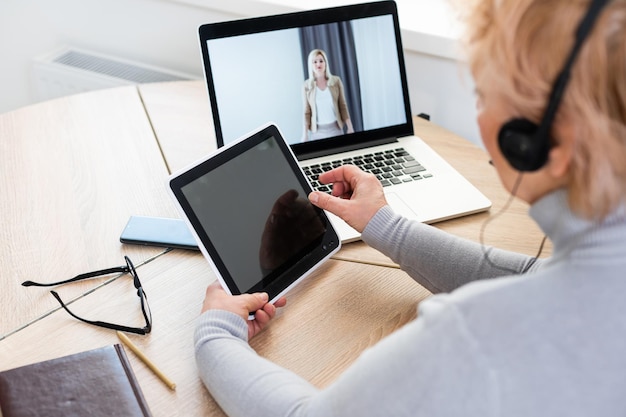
<point x="491" y="342"/>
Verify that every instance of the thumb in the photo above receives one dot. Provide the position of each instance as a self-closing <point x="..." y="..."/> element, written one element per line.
<point x="327" y="202"/>
<point x="255" y="301"/>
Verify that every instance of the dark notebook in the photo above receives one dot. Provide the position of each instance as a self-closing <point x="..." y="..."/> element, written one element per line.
<point x="98" y="382"/>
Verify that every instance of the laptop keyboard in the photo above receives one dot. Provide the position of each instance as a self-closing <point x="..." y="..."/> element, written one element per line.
<point x="391" y="167"/>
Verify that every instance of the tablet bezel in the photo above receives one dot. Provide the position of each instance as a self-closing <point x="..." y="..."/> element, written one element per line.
<point x="281" y="279"/>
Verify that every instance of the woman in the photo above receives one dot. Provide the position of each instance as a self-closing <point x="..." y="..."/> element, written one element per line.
<point x="505" y="336"/>
<point x="325" y="108"/>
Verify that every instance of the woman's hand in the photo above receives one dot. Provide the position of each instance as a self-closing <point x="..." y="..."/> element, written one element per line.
<point x="356" y="196"/>
<point x="242" y="305"/>
<point x="349" y="127"/>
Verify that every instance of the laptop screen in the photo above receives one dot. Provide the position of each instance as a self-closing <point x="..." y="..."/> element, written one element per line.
<point x="268" y="70"/>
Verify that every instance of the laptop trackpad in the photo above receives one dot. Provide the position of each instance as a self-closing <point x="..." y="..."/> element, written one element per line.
<point x="399" y="206"/>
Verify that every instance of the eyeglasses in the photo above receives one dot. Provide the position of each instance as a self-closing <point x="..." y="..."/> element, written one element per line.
<point x="129" y="269"/>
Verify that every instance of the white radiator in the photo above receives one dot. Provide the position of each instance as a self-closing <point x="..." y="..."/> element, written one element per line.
<point x="72" y="70"/>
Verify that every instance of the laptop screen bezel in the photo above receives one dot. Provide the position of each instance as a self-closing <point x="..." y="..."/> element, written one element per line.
<point x="308" y="18"/>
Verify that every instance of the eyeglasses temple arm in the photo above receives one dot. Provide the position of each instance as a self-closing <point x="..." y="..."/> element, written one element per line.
<point x="77" y="277"/>
<point x="104" y="324"/>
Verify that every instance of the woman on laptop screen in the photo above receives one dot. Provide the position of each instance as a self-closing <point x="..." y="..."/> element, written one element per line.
<point x="505" y="334"/>
<point x="325" y="108"/>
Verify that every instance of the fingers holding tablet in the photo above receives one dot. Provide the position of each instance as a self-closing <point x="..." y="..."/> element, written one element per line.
<point x="262" y="311"/>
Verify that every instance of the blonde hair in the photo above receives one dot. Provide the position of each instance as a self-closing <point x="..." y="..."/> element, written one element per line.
<point x="312" y="55"/>
<point x="515" y="48"/>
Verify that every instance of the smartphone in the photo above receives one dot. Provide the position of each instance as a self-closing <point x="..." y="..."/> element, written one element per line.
<point x="158" y="231"/>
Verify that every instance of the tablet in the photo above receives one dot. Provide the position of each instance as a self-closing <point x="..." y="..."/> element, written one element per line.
<point x="247" y="206"/>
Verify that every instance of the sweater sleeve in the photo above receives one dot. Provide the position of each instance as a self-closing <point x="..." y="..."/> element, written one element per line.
<point x="437" y="260"/>
<point x="239" y="379"/>
<point x="432" y="366"/>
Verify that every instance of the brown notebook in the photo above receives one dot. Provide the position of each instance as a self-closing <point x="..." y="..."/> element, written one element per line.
<point x="98" y="382"/>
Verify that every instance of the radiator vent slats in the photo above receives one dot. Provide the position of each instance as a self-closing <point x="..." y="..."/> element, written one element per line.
<point x="72" y="70"/>
<point x="113" y="68"/>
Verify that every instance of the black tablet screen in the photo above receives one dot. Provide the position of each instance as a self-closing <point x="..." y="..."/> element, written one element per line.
<point x="254" y="214"/>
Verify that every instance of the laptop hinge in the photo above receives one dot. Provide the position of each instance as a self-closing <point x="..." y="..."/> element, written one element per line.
<point x="347" y="148"/>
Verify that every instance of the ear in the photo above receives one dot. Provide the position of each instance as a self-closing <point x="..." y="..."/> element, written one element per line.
<point x="561" y="153"/>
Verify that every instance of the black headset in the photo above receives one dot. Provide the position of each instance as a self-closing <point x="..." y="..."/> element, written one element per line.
<point x="526" y="145"/>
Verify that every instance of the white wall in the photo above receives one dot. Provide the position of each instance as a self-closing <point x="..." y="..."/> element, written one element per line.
<point x="444" y="89"/>
<point x="157" y="32"/>
<point x="267" y="71"/>
<point x="164" y="33"/>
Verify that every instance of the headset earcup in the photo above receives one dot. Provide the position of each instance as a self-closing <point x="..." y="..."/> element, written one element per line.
<point x="520" y="145"/>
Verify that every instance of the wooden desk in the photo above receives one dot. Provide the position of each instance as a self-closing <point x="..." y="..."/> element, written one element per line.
<point x="72" y="171"/>
<point x="76" y="168"/>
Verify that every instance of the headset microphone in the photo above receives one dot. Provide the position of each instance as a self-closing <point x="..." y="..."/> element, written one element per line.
<point x="523" y="143"/>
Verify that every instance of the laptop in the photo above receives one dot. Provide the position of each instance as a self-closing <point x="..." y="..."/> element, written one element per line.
<point x="258" y="70"/>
